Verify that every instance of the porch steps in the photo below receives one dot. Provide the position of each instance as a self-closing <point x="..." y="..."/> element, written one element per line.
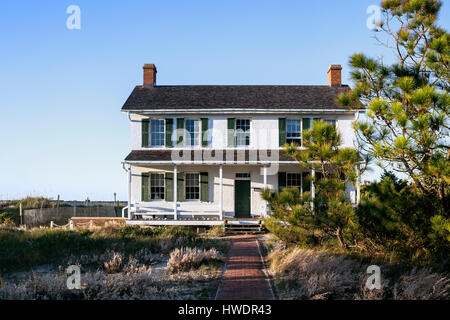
<point x="243" y="227"/>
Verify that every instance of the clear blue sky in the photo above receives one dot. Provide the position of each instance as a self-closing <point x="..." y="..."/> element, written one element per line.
<point x="61" y="129"/>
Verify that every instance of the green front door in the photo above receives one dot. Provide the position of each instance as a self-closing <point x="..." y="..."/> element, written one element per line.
<point x="242" y="198"/>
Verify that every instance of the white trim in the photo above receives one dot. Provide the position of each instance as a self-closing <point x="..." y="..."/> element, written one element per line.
<point x="175" y="222"/>
<point x="211" y="162"/>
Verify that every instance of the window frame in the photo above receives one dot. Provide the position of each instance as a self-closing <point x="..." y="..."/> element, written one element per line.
<point x="187" y="133"/>
<point x="300" y="187"/>
<point x="186" y="186"/>
<point x="163" y="133"/>
<point x="243" y="176"/>
<point x="299" y="140"/>
<point x="330" y="121"/>
<point x="236" y="133"/>
<point x="163" y="186"/>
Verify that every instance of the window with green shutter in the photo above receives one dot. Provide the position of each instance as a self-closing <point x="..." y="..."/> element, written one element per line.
<point x="205" y="127"/>
<point x="145" y="186"/>
<point x="281" y="181"/>
<point x="180" y="132"/>
<point x="145" y="125"/>
<point x="169" y="132"/>
<point x="230" y="127"/>
<point x="169" y="186"/>
<point x="180" y="186"/>
<point x="204" y="192"/>
<point x="282" y="131"/>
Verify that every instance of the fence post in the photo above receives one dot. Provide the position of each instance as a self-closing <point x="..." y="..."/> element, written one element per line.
<point x="51" y="224"/>
<point x="57" y="206"/>
<point x="21" y="213"/>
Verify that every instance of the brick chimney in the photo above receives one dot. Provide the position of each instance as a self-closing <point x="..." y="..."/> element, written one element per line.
<point x="149" y="74"/>
<point x="334" y="75"/>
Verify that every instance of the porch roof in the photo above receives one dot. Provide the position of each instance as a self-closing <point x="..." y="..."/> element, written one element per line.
<point x="208" y="156"/>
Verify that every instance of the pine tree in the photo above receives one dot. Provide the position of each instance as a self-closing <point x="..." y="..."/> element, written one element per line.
<point x="407" y="101"/>
<point x="332" y="210"/>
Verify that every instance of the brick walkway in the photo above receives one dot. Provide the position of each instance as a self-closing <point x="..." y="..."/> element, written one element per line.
<point x="244" y="278"/>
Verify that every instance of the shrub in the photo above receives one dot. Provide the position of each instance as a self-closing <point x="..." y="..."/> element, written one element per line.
<point x="115" y="264"/>
<point x="185" y="259"/>
<point x="397" y="219"/>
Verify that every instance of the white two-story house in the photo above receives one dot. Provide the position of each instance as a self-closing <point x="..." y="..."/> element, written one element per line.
<point x="205" y="153"/>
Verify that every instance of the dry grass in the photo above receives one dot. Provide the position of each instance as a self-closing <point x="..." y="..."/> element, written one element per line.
<point x="114" y="265"/>
<point x="422" y="284"/>
<point x="310" y="274"/>
<point x="120" y="278"/>
<point x="185" y="259"/>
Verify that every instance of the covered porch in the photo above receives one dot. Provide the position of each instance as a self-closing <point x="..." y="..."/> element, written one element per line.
<point x="207" y="193"/>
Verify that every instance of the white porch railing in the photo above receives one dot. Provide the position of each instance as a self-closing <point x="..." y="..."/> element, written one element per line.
<point x="167" y="209"/>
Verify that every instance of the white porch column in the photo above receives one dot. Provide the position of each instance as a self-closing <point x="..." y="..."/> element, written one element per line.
<point x="175" y="192"/>
<point x="358" y="186"/>
<point x="129" y="193"/>
<point x="221" y="191"/>
<point x="265" y="186"/>
<point x="313" y="187"/>
<point x="265" y="176"/>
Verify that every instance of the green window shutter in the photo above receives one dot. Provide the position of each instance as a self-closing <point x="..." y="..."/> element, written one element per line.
<point x="281" y="181"/>
<point x="231" y="126"/>
<point x="145" y="132"/>
<point x="306" y="124"/>
<point x="169" y="186"/>
<point x="306" y="181"/>
<point x="180" y="186"/>
<point x="205" y="127"/>
<point x="204" y="186"/>
<point x="282" y="131"/>
<point x="145" y="186"/>
<point x="180" y="132"/>
<point x="169" y="131"/>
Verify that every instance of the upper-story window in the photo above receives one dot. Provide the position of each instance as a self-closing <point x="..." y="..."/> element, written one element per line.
<point x="157" y="133"/>
<point x="192" y="132"/>
<point x="293" y="131"/>
<point x="330" y="121"/>
<point x="242" y="132"/>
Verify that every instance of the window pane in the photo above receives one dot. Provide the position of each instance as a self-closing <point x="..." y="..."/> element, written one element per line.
<point x="294" y="180"/>
<point x="330" y="121"/>
<point x="156" y="133"/>
<point x="192" y="186"/>
<point x="156" y="186"/>
<point x="293" y="131"/>
<point x="242" y="132"/>
<point x="192" y="132"/>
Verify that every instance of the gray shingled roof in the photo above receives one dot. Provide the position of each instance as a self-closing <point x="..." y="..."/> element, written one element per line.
<point x="223" y="97"/>
<point x="166" y="155"/>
